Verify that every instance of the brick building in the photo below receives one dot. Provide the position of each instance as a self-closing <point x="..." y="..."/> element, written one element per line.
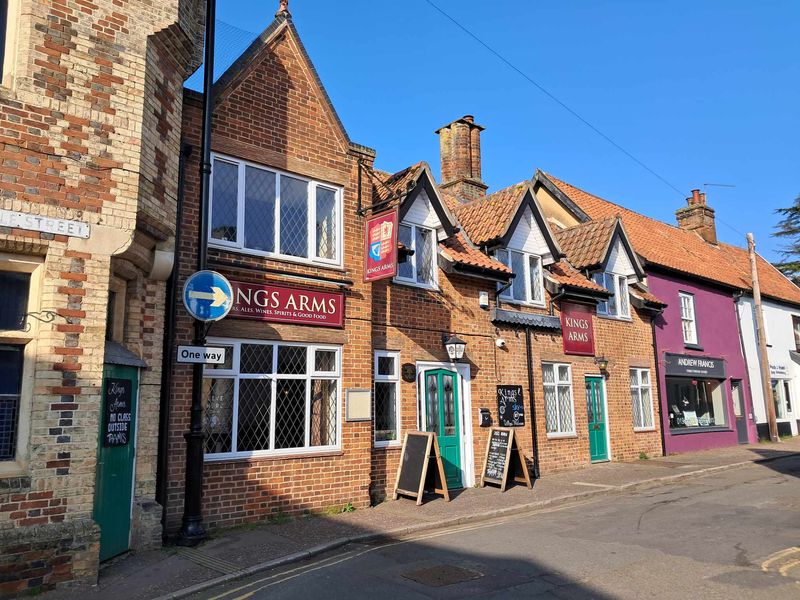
<point x="90" y="118"/>
<point x="307" y="335"/>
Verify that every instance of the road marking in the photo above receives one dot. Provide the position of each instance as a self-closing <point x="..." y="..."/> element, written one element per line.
<point x="330" y="561"/>
<point x="788" y="567"/>
<point x="777" y="556"/>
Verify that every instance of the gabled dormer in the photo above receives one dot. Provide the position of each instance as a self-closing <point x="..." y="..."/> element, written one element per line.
<point x="509" y="225"/>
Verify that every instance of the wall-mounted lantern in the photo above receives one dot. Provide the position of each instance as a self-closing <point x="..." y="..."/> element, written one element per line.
<point x="454" y="346"/>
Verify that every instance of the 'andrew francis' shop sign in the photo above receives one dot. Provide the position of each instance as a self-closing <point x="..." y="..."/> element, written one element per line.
<point x="686" y="365"/>
<point x="283" y="304"/>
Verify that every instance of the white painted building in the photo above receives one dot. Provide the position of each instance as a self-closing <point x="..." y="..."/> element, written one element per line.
<point x="782" y="333"/>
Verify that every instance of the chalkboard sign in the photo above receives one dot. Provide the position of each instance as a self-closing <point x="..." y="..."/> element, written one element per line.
<point x="420" y="466"/>
<point x="504" y="458"/>
<point x="510" y="406"/>
<point x="117" y="414"/>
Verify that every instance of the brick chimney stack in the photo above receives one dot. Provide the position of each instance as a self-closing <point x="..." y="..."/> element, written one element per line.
<point x="460" y="148"/>
<point x="698" y="216"/>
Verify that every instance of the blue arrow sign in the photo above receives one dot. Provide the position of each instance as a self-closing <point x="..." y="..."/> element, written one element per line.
<point x="208" y="296"/>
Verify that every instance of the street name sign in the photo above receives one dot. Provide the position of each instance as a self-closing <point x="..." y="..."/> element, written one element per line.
<point x="44" y="224"/>
<point x="201" y="355"/>
<point x="208" y="296"/>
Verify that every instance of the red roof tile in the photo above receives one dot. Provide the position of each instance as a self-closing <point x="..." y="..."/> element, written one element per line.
<point x="488" y="218"/>
<point x="461" y="251"/>
<point x="565" y="274"/>
<point x="586" y="245"/>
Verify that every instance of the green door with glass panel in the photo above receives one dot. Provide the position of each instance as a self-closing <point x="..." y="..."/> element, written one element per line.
<point x="595" y="409"/>
<point x="115" y="457"/>
<point x="442" y="418"/>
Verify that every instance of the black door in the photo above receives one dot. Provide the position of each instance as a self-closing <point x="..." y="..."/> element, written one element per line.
<point x="739" y="410"/>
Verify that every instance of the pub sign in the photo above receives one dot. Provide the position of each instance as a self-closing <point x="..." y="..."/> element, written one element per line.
<point x="118" y="413"/>
<point x="284" y="304"/>
<point x="380" y="253"/>
<point x="577" y="331"/>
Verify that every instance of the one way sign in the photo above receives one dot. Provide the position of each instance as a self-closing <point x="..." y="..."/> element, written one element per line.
<point x="202" y="355"/>
<point x="208" y="296"/>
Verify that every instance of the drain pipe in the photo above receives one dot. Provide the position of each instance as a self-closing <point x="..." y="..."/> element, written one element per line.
<point x="169" y="342"/>
<point x="534" y="433"/>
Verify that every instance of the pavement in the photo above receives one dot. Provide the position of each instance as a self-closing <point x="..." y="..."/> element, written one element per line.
<point x="233" y="554"/>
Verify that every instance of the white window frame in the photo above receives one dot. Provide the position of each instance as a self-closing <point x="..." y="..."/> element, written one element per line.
<point x="311" y="236"/>
<point x="638" y="386"/>
<point x="618" y="285"/>
<point x="688" y="318"/>
<point x="559" y="383"/>
<point x="391" y="379"/>
<point x="412" y="259"/>
<point x="27" y="338"/>
<point x="507" y="295"/>
<point x="209" y="372"/>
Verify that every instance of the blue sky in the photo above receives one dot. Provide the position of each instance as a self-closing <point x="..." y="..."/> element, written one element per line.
<point x="701" y="92"/>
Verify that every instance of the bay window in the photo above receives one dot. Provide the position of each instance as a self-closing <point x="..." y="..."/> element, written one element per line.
<point x="420" y="267"/>
<point x="528" y="285"/>
<point x="618" y="304"/>
<point x="688" y="322"/>
<point x="387" y="397"/>
<point x="271" y="213"/>
<point x="559" y="409"/>
<point x="271" y="398"/>
<point x="641" y="399"/>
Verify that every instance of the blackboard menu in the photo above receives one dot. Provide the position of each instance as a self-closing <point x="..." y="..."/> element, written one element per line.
<point x="117" y="414"/>
<point x="497" y="455"/>
<point x="413" y="463"/>
<point x="510" y="406"/>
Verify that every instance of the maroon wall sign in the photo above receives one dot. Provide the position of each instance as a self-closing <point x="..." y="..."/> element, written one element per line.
<point x="380" y="252"/>
<point x="280" y="304"/>
<point x="576" y="329"/>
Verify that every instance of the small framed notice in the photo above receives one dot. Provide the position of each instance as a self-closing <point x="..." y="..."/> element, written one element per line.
<point x="358" y="405"/>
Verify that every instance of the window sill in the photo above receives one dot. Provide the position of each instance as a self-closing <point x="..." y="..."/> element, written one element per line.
<point x="16" y="337"/>
<point x="333" y="266"/>
<point x="691" y="430"/>
<point x="212" y="459"/>
<point x="388" y="445"/>
<point x="692" y="347"/>
<point x="643" y="429"/>
<point x="414" y="284"/>
<point x="615" y="318"/>
<point x="562" y="436"/>
<point x="10" y="469"/>
<point x="522" y="303"/>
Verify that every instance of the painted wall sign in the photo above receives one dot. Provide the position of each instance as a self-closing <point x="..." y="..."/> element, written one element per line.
<point x="380" y="253"/>
<point x="283" y="304"/>
<point x="117" y="415"/>
<point x="778" y="370"/>
<point x="201" y="355"/>
<point x="577" y="331"/>
<point x="685" y="365"/>
<point x="510" y="406"/>
<point x="10" y="218"/>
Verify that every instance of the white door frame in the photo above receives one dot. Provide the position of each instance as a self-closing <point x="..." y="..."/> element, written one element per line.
<point x="605" y="410"/>
<point x="464" y="412"/>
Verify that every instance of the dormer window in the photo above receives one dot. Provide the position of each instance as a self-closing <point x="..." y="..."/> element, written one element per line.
<point x="270" y="213"/>
<point x="527" y="287"/>
<point x="418" y="268"/>
<point x="618" y="304"/>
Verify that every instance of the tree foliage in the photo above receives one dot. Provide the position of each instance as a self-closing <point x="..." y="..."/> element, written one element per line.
<point x="788" y="228"/>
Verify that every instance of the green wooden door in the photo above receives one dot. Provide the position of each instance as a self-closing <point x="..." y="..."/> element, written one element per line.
<point x="115" y="459"/>
<point x="441" y="403"/>
<point x="595" y="408"/>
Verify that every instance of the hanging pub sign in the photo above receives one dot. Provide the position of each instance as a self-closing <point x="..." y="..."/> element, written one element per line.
<point x="283" y="304"/>
<point x="380" y="253"/>
<point x="117" y="415"/>
<point x="686" y="365"/>
<point x="510" y="406"/>
<point x="576" y="329"/>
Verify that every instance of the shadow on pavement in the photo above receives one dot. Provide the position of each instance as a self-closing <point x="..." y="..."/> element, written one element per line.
<point x="785" y="467"/>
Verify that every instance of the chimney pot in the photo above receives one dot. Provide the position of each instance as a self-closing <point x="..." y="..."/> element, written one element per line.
<point x="695" y="199"/>
<point x="698" y="217"/>
<point x="460" y="148"/>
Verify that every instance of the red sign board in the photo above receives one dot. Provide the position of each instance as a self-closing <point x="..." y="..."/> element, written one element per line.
<point x="576" y="329"/>
<point x="280" y="304"/>
<point x="380" y="252"/>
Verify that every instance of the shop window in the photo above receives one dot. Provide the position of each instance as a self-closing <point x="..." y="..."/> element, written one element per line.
<point x="527" y="287"/>
<point x="796" y="330"/>
<point x="559" y="408"/>
<point x="387" y="397"/>
<point x="271" y="398"/>
<point x="781" y="398"/>
<point x="419" y="268"/>
<point x="688" y="322"/>
<point x="641" y="399"/>
<point x="618" y="304"/>
<point x="11" y="363"/>
<point x="695" y="403"/>
<point x="270" y="213"/>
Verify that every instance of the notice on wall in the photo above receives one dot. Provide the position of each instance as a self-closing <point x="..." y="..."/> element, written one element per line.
<point x="510" y="406"/>
<point x="380" y="254"/>
<point x="118" y="413"/>
<point x="576" y="329"/>
<point x="284" y="304"/>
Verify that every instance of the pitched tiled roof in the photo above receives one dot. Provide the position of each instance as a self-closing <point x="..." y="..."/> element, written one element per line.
<point x="646" y="295"/>
<point x="396" y="183"/>
<point x="565" y="274"/>
<point x="680" y="250"/>
<point x="461" y="251"/>
<point x="586" y="244"/>
<point x="488" y="218"/>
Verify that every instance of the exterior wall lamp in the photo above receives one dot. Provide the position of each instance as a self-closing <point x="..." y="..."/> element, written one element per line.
<point x="602" y="364"/>
<point x="455" y="347"/>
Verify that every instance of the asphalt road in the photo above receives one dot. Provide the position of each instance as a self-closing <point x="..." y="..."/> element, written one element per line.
<point x="728" y="535"/>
